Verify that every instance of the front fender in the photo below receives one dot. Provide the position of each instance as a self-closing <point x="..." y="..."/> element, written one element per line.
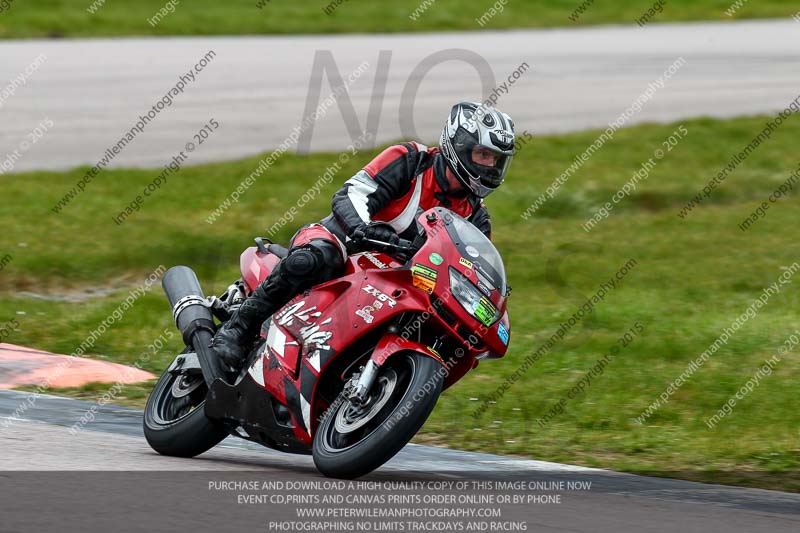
<point x="391" y="343"/>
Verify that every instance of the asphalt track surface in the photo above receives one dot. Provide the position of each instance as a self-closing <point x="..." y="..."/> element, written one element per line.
<point x="106" y="477"/>
<point x="257" y="87"/>
<point x="94" y="91"/>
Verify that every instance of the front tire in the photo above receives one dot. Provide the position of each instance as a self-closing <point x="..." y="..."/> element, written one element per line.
<point x="175" y="422"/>
<point x="352" y="441"/>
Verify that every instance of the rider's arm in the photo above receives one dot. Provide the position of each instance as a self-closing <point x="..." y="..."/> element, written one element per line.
<point x="480" y="219"/>
<point x="385" y="178"/>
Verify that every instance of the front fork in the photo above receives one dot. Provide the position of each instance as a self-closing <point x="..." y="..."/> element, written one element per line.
<point x="389" y="344"/>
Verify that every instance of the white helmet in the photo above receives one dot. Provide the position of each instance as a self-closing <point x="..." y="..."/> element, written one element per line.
<point x="470" y="125"/>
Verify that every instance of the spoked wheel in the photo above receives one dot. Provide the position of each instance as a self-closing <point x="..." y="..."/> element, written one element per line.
<point x="175" y="422"/>
<point x="353" y="440"/>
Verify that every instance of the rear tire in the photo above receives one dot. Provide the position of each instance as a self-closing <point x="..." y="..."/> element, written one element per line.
<point x="178" y="426"/>
<point x="352" y="441"/>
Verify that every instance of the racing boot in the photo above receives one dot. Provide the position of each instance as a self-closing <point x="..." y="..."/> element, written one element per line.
<point x="234" y="337"/>
<point x="303" y="267"/>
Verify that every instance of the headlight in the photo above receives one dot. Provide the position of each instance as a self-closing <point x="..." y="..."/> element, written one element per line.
<point x="472" y="299"/>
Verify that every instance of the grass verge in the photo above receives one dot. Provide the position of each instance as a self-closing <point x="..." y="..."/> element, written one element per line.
<point x="693" y="277"/>
<point x="110" y="18"/>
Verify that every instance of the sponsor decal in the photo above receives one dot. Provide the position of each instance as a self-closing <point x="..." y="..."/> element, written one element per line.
<point x="485" y="311"/>
<point x="426" y="271"/>
<point x="286" y="316"/>
<point x="314" y="338"/>
<point x="424" y="277"/>
<point x="504" y="136"/>
<point x="366" y="312"/>
<point x="483" y="277"/>
<point x="502" y="332"/>
<point x="466" y="262"/>
<point x="436" y="259"/>
<point x="484" y="289"/>
<point x="375" y="261"/>
<point x="423" y="283"/>
<point x="315" y="343"/>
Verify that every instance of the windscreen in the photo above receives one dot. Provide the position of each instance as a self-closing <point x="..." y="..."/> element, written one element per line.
<point x="476" y="247"/>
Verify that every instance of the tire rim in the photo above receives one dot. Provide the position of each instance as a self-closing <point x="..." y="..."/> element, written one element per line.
<point x="185" y="384"/>
<point x="177" y="398"/>
<point x="352" y="416"/>
<point x="354" y="424"/>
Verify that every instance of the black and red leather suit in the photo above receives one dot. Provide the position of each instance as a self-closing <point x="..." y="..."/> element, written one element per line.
<point x="403" y="181"/>
<point x="395" y="187"/>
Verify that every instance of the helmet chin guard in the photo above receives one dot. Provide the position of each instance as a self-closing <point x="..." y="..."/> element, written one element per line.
<point x="469" y="126"/>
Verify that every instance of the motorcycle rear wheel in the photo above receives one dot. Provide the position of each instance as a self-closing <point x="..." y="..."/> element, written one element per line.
<point x="175" y="422"/>
<point x="352" y="440"/>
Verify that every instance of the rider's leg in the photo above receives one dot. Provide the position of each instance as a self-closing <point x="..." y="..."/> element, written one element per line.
<point x="315" y="256"/>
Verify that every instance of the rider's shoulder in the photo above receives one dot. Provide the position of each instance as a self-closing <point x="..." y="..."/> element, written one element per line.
<point x="411" y="147"/>
<point x="422" y="149"/>
<point x="390" y="153"/>
<point x="410" y="150"/>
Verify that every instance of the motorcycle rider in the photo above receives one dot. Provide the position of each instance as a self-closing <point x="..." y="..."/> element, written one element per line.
<point x="382" y="202"/>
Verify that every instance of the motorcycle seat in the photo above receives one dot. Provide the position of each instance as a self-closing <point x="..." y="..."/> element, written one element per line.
<point x="277" y="249"/>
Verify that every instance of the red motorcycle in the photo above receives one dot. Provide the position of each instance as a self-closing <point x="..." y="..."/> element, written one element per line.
<point x="349" y="370"/>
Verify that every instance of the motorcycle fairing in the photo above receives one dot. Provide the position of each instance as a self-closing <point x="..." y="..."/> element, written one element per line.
<point x="303" y="337"/>
<point x="253" y="415"/>
<point x="392" y="343"/>
<point x="255" y="267"/>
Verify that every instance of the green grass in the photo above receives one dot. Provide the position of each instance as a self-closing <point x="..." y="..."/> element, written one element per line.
<point x="70" y="18"/>
<point x="693" y="278"/>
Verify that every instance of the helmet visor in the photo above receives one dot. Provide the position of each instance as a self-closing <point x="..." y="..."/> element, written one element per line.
<point x="492" y="165"/>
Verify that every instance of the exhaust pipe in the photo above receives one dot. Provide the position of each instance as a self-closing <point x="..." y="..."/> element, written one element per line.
<point x="193" y="318"/>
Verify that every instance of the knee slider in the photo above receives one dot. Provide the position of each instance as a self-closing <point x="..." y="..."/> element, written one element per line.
<point x="312" y="263"/>
<point x="330" y="253"/>
<point x="302" y="262"/>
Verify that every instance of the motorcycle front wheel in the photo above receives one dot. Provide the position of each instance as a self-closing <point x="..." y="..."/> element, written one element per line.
<point x="353" y="440"/>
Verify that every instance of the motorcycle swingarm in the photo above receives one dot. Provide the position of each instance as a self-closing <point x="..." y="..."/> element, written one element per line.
<point x="185" y="363"/>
